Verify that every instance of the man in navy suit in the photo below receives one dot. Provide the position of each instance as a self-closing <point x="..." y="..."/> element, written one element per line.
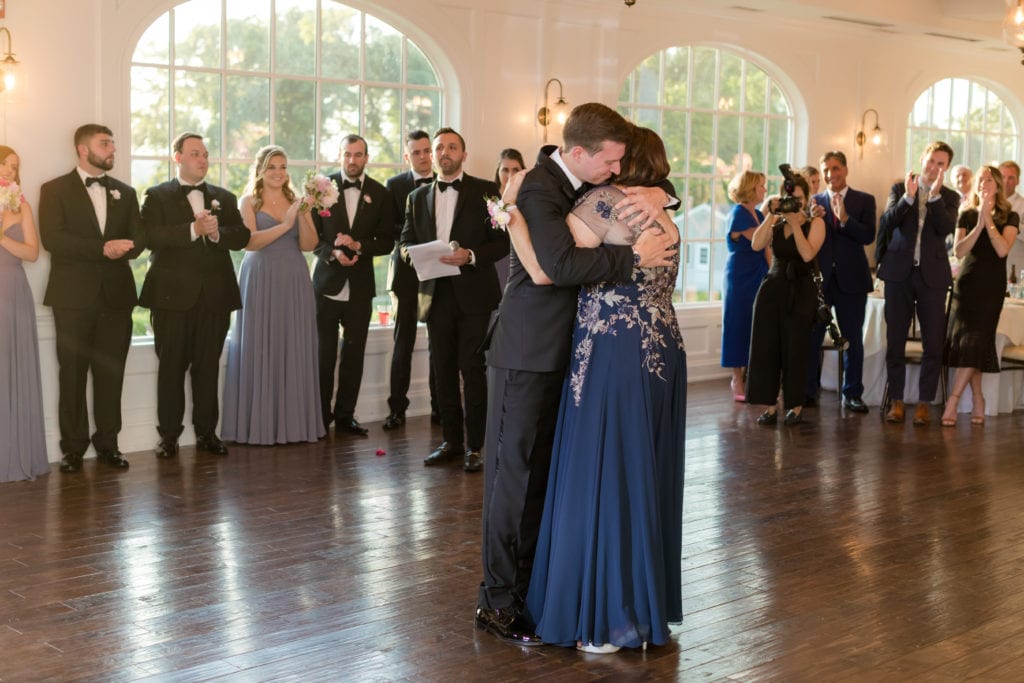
<point x="89" y="222"/>
<point x="846" y="277"/>
<point x="359" y="227"/>
<point x="913" y="263"/>
<point x="403" y="283"/>
<point x="531" y="344"/>
<point x="457" y="308"/>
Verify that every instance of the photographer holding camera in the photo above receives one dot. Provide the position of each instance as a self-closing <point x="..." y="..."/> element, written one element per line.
<point x="786" y="305"/>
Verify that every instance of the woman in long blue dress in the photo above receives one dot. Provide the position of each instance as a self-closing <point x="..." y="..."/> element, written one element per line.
<point x="744" y="270"/>
<point x="272" y="386"/>
<point x="23" y="444"/>
<point x="607" y="569"/>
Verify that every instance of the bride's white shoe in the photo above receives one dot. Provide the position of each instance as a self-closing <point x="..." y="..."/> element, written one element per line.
<point x="591" y="648"/>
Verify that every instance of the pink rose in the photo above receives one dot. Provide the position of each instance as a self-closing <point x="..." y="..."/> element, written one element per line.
<point x="324" y="213"/>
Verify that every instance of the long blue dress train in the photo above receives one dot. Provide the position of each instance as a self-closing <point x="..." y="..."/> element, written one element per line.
<point x="272" y="382"/>
<point x="608" y="561"/>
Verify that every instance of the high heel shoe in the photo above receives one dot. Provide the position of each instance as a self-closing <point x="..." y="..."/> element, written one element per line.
<point x="978" y="410"/>
<point x="737" y="394"/>
<point x="952" y="402"/>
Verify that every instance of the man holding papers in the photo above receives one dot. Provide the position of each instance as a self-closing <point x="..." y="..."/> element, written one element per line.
<point x="456" y="307"/>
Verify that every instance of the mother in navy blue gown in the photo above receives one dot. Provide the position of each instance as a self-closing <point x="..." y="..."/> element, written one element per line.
<point x="745" y="267"/>
<point x="607" y="570"/>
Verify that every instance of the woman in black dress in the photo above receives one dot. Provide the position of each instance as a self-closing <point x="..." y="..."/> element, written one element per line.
<point x="784" y="308"/>
<point x="985" y="232"/>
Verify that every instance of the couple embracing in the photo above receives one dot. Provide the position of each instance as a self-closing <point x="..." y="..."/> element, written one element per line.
<point x="587" y="381"/>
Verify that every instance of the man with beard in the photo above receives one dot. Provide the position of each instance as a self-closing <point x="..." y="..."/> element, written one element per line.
<point x="457" y="308"/>
<point x="359" y="227"/>
<point x="89" y="222"/>
<point x="191" y="289"/>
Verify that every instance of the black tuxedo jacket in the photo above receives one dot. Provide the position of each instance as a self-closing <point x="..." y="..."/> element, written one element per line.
<point x="79" y="272"/>
<point x="373" y="227"/>
<point x="182" y="269"/>
<point x="534" y="327"/>
<point x="898" y="233"/>
<point x="843" y="248"/>
<point x="476" y="286"/>
<point x="401" y="276"/>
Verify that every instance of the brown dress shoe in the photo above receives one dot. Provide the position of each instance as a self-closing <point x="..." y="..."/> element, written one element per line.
<point x="922" y="416"/>
<point x="896" y="412"/>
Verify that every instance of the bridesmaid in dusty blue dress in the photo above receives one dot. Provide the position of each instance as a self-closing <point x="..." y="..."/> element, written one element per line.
<point x="23" y="440"/>
<point x="272" y="386"/>
<point x="607" y="571"/>
<point x="744" y="270"/>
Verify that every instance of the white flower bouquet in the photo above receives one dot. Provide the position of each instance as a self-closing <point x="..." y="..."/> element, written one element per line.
<point x="321" y="193"/>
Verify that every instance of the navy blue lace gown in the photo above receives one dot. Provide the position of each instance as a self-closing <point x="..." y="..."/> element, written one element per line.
<point x="608" y="561"/>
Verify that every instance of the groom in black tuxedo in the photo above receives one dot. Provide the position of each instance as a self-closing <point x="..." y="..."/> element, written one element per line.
<point x="191" y="227"/>
<point x="360" y="227"/>
<point x="89" y="222"/>
<point x="457" y="308"/>
<point x="530" y="348"/>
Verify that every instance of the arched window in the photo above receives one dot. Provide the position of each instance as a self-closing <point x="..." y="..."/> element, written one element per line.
<point x="970" y="117"/>
<point x="718" y="114"/>
<point x="298" y="73"/>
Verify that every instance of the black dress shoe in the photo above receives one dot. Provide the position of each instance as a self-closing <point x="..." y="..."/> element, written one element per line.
<point x="792" y="418"/>
<point x="393" y="421"/>
<point x="768" y="418"/>
<point x="473" y="462"/>
<point x="811" y="402"/>
<point x="211" y="444"/>
<point x="441" y="455"/>
<point x="166" y="448"/>
<point x="113" y="458"/>
<point x="350" y="426"/>
<point x="71" y="463"/>
<point x="507" y="625"/>
<point x="855" y="405"/>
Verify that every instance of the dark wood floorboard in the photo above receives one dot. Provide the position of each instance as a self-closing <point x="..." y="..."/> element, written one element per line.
<point x="839" y="550"/>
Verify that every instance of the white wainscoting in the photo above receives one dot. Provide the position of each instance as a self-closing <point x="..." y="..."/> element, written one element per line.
<point x="701" y="327"/>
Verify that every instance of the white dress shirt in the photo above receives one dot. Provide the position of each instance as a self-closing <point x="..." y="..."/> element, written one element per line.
<point x="98" y="196"/>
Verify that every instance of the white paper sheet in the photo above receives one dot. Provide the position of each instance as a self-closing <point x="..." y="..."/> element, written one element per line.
<point x="425" y="260"/>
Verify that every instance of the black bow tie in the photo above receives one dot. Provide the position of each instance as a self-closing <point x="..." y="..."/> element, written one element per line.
<point x="102" y="180"/>
<point x="188" y="188"/>
<point x="423" y="181"/>
<point x="455" y="185"/>
<point x="346" y="184"/>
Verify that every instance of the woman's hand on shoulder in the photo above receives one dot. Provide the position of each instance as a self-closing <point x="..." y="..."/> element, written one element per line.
<point x="512" y="187"/>
<point x="641" y="206"/>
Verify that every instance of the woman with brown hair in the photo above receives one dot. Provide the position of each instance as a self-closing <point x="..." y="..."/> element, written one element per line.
<point x="985" y="232"/>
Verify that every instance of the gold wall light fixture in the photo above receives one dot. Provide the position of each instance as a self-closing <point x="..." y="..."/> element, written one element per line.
<point x="875" y="139"/>
<point x="1013" y="27"/>
<point x="556" y="113"/>
<point x="8" y="63"/>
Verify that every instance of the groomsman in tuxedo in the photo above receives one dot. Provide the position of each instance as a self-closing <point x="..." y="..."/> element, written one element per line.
<point x="912" y="261"/>
<point x="191" y="227"/>
<point x="89" y="222"/>
<point x="361" y="226"/>
<point x="845" y="273"/>
<point x="403" y="283"/>
<point x="457" y="308"/>
<point x="530" y="348"/>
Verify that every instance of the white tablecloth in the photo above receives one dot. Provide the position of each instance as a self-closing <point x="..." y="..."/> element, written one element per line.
<point x="1003" y="391"/>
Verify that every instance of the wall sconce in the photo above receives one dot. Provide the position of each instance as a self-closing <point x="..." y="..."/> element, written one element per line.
<point x="876" y="138"/>
<point x="8" y="63"/>
<point x="1013" y="27"/>
<point x="557" y="114"/>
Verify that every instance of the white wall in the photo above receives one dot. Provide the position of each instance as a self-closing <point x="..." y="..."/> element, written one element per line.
<point x="494" y="57"/>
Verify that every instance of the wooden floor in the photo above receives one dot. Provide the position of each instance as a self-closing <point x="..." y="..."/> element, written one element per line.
<point x="839" y="550"/>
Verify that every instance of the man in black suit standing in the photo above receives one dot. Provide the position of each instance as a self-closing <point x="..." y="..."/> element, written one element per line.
<point x="89" y="222"/>
<point x="845" y="275"/>
<point x="530" y="348"/>
<point x="403" y="283"/>
<point x="913" y="263"/>
<point x="360" y="227"/>
<point x="191" y="227"/>
<point x="457" y="308"/>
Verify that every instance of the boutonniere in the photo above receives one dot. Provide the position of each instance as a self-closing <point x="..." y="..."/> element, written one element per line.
<point x="214" y="206"/>
<point x="115" y="194"/>
<point x="366" y="198"/>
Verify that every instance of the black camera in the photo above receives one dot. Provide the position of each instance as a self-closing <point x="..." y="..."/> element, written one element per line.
<point x="787" y="202"/>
